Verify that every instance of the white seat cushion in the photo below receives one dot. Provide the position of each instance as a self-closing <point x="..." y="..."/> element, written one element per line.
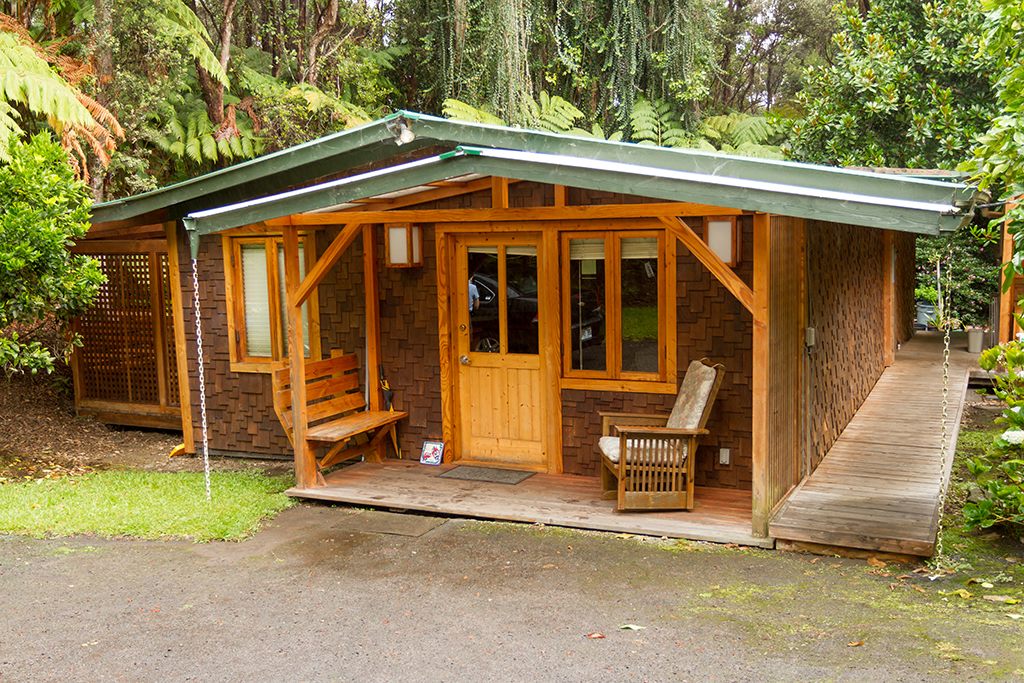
<point x="609" y="447"/>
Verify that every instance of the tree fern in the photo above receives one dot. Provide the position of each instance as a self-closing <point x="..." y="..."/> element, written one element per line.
<point x="554" y="113"/>
<point x="178" y="21"/>
<point x="27" y="79"/>
<point x="460" y="111"/>
<point x="656" y="123"/>
<point x="742" y="134"/>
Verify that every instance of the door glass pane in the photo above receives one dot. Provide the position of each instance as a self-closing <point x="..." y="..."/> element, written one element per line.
<point x="521" y="301"/>
<point x="639" y="314"/>
<point x="586" y="301"/>
<point x="483" y="300"/>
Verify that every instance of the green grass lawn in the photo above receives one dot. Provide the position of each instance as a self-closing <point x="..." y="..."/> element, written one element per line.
<point x="153" y="505"/>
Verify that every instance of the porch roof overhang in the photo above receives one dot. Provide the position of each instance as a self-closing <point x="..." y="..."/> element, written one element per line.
<point x="801" y="190"/>
<point x="927" y="215"/>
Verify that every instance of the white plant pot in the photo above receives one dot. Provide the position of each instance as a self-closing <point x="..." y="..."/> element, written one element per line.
<point x="975" y="339"/>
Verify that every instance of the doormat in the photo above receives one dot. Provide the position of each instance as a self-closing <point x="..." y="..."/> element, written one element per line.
<point x="393" y="523"/>
<point x="488" y="474"/>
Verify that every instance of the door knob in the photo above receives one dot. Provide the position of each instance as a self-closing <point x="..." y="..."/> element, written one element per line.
<point x="464" y="359"/>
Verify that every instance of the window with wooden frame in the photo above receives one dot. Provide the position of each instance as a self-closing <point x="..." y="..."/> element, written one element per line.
<point x="257" y="318"/>
<point x="618" y="309"/>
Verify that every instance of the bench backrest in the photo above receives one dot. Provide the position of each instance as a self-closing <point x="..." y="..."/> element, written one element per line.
<point x="332" y="390"/>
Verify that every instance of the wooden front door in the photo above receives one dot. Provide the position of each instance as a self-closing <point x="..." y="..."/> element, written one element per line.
<point x="500" y="322"/>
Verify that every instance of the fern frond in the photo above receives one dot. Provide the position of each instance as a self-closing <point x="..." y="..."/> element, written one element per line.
<point x="460" y="111"/>
<point x="177" y="20"/>
<point x="756" y="130"/>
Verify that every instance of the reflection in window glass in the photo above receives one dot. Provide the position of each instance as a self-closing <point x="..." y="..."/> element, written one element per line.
<point x="639" y="300"/>
<point x="485" y="337"/>
<point x="521" y="304"/>
<point x="520" y="333"/>
<point x="586" y="297"/>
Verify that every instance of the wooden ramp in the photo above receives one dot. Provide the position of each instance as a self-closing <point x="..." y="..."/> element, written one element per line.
<point x="720" y="515"/>
<point x="878" y="487"/>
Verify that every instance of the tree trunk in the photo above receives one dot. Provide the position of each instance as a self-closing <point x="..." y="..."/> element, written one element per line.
<point x="212" y="89"/>
<point x="327" y="20"/>
<point x="104" y="59"/>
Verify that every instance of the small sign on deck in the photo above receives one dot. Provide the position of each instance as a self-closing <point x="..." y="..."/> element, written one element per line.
<point x="432" y="452"/>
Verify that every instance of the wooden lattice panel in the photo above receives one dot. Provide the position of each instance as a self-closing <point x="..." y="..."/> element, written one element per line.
<point x="118" y="355"/>
<point x="845" y="279"/>
<point x="171" y="348"/>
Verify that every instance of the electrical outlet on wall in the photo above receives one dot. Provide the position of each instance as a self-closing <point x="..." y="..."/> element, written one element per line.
<point x="724" y="456"/>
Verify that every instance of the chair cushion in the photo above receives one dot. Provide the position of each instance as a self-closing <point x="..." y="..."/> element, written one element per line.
<point x="693" y="396"/>
<point x="610" y="448"/>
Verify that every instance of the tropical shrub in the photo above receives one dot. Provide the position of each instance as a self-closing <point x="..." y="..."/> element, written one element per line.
<point x="1000" y="474"/>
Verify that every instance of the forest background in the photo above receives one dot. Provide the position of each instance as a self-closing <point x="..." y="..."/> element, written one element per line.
<point x="145" y="94"/>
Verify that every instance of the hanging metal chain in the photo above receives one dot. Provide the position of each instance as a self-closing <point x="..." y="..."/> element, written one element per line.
<point x="947" y="321"/>
<point x="202" y="377"/>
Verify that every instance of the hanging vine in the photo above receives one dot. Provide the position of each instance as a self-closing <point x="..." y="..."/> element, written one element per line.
<point x="601" y="56"/>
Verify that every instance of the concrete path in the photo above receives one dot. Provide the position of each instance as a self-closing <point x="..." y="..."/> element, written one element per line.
<point x="323" y="595"/>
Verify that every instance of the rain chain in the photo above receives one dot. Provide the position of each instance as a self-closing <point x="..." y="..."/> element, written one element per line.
<point x="946" y="320"/>
<point x="202" y="378"/>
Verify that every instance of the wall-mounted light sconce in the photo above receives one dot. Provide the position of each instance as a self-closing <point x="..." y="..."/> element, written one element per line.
<point x="722" y="234"/>
<point x="404" y="245"/>
<point x="399" y="127"/>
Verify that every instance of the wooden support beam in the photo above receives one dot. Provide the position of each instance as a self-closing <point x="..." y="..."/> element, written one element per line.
<point x="306" y="473"/>
<point x="561" y="196"/>
<point x="703" y="252"/>
<point x="761" y="412"/>
<point x="315" y="276"/>
<point x="447" y="357"/>
<point x="1007" y="323"/>
<point x="550" y="367"/>
<point x="499" y="193"/>
<point x="148" y="246"/>
<point x="184" y="394"/>
<point x="371" y="288"/>
<point x="512" y="214"/>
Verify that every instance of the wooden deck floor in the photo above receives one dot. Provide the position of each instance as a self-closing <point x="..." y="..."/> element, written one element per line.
<point x="878" y="487"/>
<point x="722" y="516"/>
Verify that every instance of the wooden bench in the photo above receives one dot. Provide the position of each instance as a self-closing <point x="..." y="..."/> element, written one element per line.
<point x="335" y="410"/>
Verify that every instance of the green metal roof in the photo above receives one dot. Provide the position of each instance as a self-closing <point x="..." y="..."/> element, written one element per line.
<point x="788" y="188"/>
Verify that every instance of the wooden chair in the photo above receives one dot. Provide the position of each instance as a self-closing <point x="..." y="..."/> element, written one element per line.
<point x="647" y="460"/>
<point x="335" y="410"/>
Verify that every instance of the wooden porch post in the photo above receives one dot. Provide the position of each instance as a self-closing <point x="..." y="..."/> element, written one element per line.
<point x="184" y="397"/>
<point x="888" y="300"/>
<point x="445" y="344"/>
<point x="371" y="288"/>
<point x="305" y="459"/>
<point x="1007" y="323"/>
<point x="761" y="411"/>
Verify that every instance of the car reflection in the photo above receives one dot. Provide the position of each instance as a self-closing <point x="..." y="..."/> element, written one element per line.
<point x="523" y="335"/>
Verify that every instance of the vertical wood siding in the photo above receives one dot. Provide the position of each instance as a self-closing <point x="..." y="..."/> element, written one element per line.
<point x="785" y="333"/>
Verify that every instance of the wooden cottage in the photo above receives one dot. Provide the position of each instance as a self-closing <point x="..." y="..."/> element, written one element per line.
<point x="602" y="270"/>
